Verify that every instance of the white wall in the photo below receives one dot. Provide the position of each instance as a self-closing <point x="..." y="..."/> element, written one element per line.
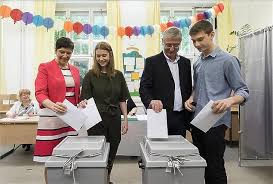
<point x="257" y="13"/>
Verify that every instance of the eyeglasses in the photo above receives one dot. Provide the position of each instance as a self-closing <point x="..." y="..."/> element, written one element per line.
<point x="169" y="46"/>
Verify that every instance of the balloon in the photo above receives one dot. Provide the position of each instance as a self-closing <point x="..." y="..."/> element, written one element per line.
<point x="207" y="14"/>
<point x="104" y="31"/>
<point x="128" y="31"/>
<point x="48" y="23"/>
<point x="183" y="23"/>
<point x="188" y="22"/>
<point x="5" y="11"/>
<point x="77" y="27"/>
<point x="163" y="27"/>
<point x="150" y="30"/>
<point x="121" y="31"/>
<point x="136" y="30"/>
<point x="27" y="18"/>
<point x="216" y="9"/>
<point x="200" y="16"/>
<point x="96" y="30"/>
<point x="38" y="20"/>
<point x="176" y="23"/>
<point x="221" y="7"/>
<point x="170" y="24"/>
<point x="87" y="28"/>
<point x="68" y="26"/>
<point x="143" y="30"/>
<point x="16" y="15"/>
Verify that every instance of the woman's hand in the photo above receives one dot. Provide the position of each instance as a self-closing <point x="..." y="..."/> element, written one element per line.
<point x="124" y="127"/>
<point x="59" y="107"/>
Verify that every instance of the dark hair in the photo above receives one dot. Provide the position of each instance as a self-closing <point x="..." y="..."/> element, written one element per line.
<point x="202" y="25"/>
<point x="64" y="42"/>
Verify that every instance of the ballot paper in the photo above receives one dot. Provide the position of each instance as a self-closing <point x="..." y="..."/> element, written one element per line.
<point x="92" y="113"/>
<point x="157" y="124"/>
<point x="74" y="117"/>
<point x="206" y="118"/>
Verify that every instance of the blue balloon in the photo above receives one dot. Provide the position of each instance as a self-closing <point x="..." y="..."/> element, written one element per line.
<point x="48" y="23"/>
<point x="188" y="22"/>
<point x="183" y="23"/>
<point x="207" y="14"/>
<point x="143" y="30"/>
<point x="96" y="30"/>
<point x="38" y="20"/>
<point x="150" y="30"/>
<point x="104" y="31"/>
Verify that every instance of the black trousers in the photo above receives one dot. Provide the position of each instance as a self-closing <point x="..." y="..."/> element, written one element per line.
<point x="110" y="127"/>
<point x="211" y="146"/>
<point x="177" y="122"/>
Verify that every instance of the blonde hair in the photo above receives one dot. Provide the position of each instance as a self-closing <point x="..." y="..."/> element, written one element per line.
<point x="23" y="91"/>
<point x="110" y="68"/>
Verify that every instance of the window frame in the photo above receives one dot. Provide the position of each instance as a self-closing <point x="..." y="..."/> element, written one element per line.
<point x="91" y="41"/>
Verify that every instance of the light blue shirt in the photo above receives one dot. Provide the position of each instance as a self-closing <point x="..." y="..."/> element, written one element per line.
<point x="215" y="76"/>
<point x="173" y="65"/>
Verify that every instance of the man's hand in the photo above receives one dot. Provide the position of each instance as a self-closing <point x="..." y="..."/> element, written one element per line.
<point x="82" y="104"/>
<point x="156" y="105"/>
<point x="220" y="106"/>
<point x="189" y="104"/>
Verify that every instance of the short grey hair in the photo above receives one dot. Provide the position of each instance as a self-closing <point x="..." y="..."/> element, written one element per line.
<point x="172" y="32"/>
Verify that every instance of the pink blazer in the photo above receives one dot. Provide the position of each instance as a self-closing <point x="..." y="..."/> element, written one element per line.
<point x="50" y="83"/>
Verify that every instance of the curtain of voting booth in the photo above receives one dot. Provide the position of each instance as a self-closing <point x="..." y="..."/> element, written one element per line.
<point x="256" y="140"/>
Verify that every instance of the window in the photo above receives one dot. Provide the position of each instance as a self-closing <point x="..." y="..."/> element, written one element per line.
<point x="84" y="44"/>
<point x="175" y="14"/>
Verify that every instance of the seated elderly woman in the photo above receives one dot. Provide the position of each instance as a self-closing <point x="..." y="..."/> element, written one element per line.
<point x="25" y="106"/>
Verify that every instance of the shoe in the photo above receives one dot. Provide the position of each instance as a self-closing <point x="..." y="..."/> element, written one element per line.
<point x="111" y="182"/>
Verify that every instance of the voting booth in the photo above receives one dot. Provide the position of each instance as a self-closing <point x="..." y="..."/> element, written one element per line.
<point x="79" y="160"/>
<point x="173" y="160"/>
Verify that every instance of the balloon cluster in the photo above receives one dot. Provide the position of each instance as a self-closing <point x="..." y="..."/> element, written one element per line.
<point x="186" y="22"/>
<point x="26" y="17"/>
<point x="77" y="27"/>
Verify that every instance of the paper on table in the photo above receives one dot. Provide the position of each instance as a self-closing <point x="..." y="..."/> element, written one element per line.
<point x="92" y="113"/>
<point x="205" y="119"/>
<point x="157" y="124"/>
<point x="74" y="117"/>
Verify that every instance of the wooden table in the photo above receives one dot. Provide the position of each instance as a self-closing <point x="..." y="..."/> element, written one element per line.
<point x="20" y="130"/>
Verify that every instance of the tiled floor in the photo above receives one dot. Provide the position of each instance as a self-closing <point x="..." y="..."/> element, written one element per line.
<point x="19" y="168"/>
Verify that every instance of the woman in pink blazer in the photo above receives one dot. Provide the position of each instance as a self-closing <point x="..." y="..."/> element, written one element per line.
<point x="56" y="81"/>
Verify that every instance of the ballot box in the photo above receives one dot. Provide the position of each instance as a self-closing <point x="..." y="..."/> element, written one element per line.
<point x="173" y="160"/>
<point x="80" y="160"/>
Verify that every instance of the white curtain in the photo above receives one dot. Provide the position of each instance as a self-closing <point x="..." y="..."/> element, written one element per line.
<point x="256" y="54"/>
